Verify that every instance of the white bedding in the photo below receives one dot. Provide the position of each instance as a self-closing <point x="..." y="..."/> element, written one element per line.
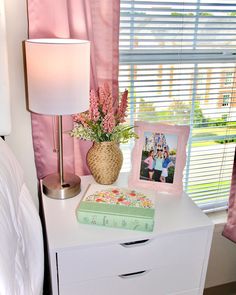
<point x="21" y="241"/>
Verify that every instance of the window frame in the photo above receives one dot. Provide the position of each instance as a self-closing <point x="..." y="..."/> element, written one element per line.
<point x="134" y="56"/>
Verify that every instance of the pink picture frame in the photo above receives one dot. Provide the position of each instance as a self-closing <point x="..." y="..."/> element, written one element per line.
<point x="159" y="157"/>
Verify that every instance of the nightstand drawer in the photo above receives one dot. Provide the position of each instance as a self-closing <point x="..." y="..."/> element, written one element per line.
<point x="86" y="263"/>
<point x="178" y="279"/>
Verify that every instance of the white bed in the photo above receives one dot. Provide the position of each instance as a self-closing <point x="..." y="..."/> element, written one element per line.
<point x="21" y="246"/>
<point x="21" y="240"/>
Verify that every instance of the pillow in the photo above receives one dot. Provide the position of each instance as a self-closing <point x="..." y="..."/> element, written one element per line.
<point x="21" y="251"/>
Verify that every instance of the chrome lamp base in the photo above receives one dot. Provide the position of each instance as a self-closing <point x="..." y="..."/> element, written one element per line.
<point x="53" y="188"/>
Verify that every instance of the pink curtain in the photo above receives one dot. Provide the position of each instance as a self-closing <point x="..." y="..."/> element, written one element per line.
<point x="94" y="20"/>
<point x="230" y="228"/>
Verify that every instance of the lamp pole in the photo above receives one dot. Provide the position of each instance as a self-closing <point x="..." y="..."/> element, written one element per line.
<point x="60" y="141"/>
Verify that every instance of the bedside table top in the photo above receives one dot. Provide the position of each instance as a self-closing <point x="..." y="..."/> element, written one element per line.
<point x="173" y="214"/>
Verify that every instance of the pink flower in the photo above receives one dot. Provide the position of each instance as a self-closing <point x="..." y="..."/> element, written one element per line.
<point x="126" y="203"/>
<point x="121" y="113"/>
<point x="105" y="98"/>
<point x="132" y="194"/>
<point x="93" y="110"/>
<point x="81" y="119"/>
<point x="108" y="122"/>
<point x="76" y="118"/>
<point x="102" y="98"/>
<point x="100" y="122"/>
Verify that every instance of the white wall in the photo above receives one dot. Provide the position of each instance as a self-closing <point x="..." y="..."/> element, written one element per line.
<point x="222" y="262"/>
<point x="20" y="139"/>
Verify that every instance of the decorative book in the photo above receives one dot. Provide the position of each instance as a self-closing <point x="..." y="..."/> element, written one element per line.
<point x="116" y="207"/>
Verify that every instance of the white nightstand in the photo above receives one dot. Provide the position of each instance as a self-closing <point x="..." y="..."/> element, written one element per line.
<point x="92" y="260"/>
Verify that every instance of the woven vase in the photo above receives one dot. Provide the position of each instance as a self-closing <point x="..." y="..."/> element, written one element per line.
<point x="104" y="160"/>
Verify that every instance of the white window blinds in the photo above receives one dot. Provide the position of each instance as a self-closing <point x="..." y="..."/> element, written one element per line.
<point x="177" y="59"/>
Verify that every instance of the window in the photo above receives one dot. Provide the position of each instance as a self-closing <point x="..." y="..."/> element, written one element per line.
<point x="226" y="98"/>
<point x="229" y="79"/>
<point x="177" y="59"/>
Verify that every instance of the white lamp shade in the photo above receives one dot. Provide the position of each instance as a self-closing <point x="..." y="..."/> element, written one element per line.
<point x="58" y="75"/>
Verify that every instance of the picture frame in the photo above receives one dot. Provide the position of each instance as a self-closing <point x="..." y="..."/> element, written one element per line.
<point x="159" y="157"/>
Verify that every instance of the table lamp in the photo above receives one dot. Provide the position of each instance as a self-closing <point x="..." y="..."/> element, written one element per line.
<point x="58" y="75"/>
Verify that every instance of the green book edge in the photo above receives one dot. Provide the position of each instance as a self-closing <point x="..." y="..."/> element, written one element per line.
<point x="115" y="221"/>
<point x="111" y="209"/>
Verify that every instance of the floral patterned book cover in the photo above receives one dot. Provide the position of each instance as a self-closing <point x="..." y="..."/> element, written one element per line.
<point x="113" y="206"/>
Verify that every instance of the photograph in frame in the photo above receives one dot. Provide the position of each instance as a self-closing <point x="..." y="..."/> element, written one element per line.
<point x="159" y="157"/>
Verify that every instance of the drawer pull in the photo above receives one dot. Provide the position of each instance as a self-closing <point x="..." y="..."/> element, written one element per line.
<point x="135" y="243"/>
<point x="133" y="274"/>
